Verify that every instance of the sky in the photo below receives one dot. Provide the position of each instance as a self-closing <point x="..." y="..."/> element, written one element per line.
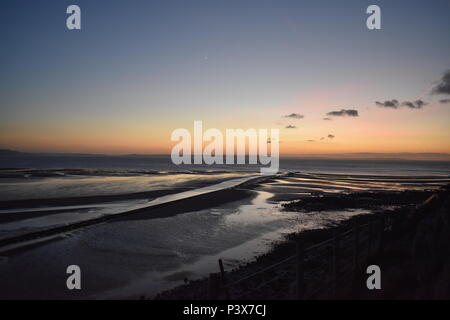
<point x="137" y="70"/>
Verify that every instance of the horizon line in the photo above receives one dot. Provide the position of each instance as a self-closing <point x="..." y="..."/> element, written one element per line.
<point x="378" y="155"/>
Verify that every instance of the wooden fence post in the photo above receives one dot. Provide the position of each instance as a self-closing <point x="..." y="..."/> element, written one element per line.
<point x="300" y="288"/>
<point x="224" y="280"/>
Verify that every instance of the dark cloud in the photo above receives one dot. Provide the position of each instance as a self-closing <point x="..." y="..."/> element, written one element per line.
<point x="444" y="86"/>
<point x="444" y="101"/>
<point x="418" y="104"/>
<point x="294" y="116"/>
<point x="331" y="136"/>
<point x="326" y="118"/>
<point x="291" y="127"/>
<point x="343" y="113"/>
<point x="388" y="103"/>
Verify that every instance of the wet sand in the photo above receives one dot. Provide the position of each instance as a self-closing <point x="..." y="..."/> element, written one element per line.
<point x="169" y="204"/>
<point x="158" y="247"/>
<point x="284" y="288"/>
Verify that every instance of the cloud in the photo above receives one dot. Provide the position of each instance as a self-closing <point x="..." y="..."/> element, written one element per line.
<point x="444" y="86"/>
<point x="444" y="101"/>
<point x="291" y="127"/>
<point x="418" y="104"/>
<point x="331" y="136"/>
<point x="326" y="118"/>
<point x="310" y="140"/>
<point x="322" y="138"/>
<point x="294" y="116"/>
<point x="388" y="103"/>
<point x="343" y="113"/>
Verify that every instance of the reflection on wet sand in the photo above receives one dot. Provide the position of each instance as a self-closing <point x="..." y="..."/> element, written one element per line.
<point x="144" y="253"/>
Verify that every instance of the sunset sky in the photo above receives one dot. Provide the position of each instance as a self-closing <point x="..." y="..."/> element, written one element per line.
<point x="140" y="69"/>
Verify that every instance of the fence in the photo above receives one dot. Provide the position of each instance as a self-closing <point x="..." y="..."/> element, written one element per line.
<point x="326" y="269"/>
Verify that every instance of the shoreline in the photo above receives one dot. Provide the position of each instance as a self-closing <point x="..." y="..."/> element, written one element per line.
<point x="221" y="210"/>
<point x="200" y="289"/>
<point x="207" y="198"/>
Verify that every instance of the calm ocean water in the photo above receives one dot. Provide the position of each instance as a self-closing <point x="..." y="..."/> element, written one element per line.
<point x="163" y="163"/>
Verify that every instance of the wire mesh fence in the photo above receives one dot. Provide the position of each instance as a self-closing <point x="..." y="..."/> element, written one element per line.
<point x="320" y="270"/>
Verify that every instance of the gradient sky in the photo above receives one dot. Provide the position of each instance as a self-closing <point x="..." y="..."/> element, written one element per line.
<point x="140" y="69"/>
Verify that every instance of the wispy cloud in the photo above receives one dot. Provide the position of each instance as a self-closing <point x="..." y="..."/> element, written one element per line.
<point x="444" y="101"/>
<point x="443" y="87"/>
<point x="327" y="119"/>
<point x="291" y="127"/>
<point x="418" y="104"/>
<point x="294" y="116"/>
<point x="388" y="103"/>
<point x="395" y="104"/>
<point x="331" y="136"/>
<point x="343" y="113"/>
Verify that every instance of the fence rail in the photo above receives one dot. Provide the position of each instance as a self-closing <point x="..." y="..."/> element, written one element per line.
<point x="324" y="268"/>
